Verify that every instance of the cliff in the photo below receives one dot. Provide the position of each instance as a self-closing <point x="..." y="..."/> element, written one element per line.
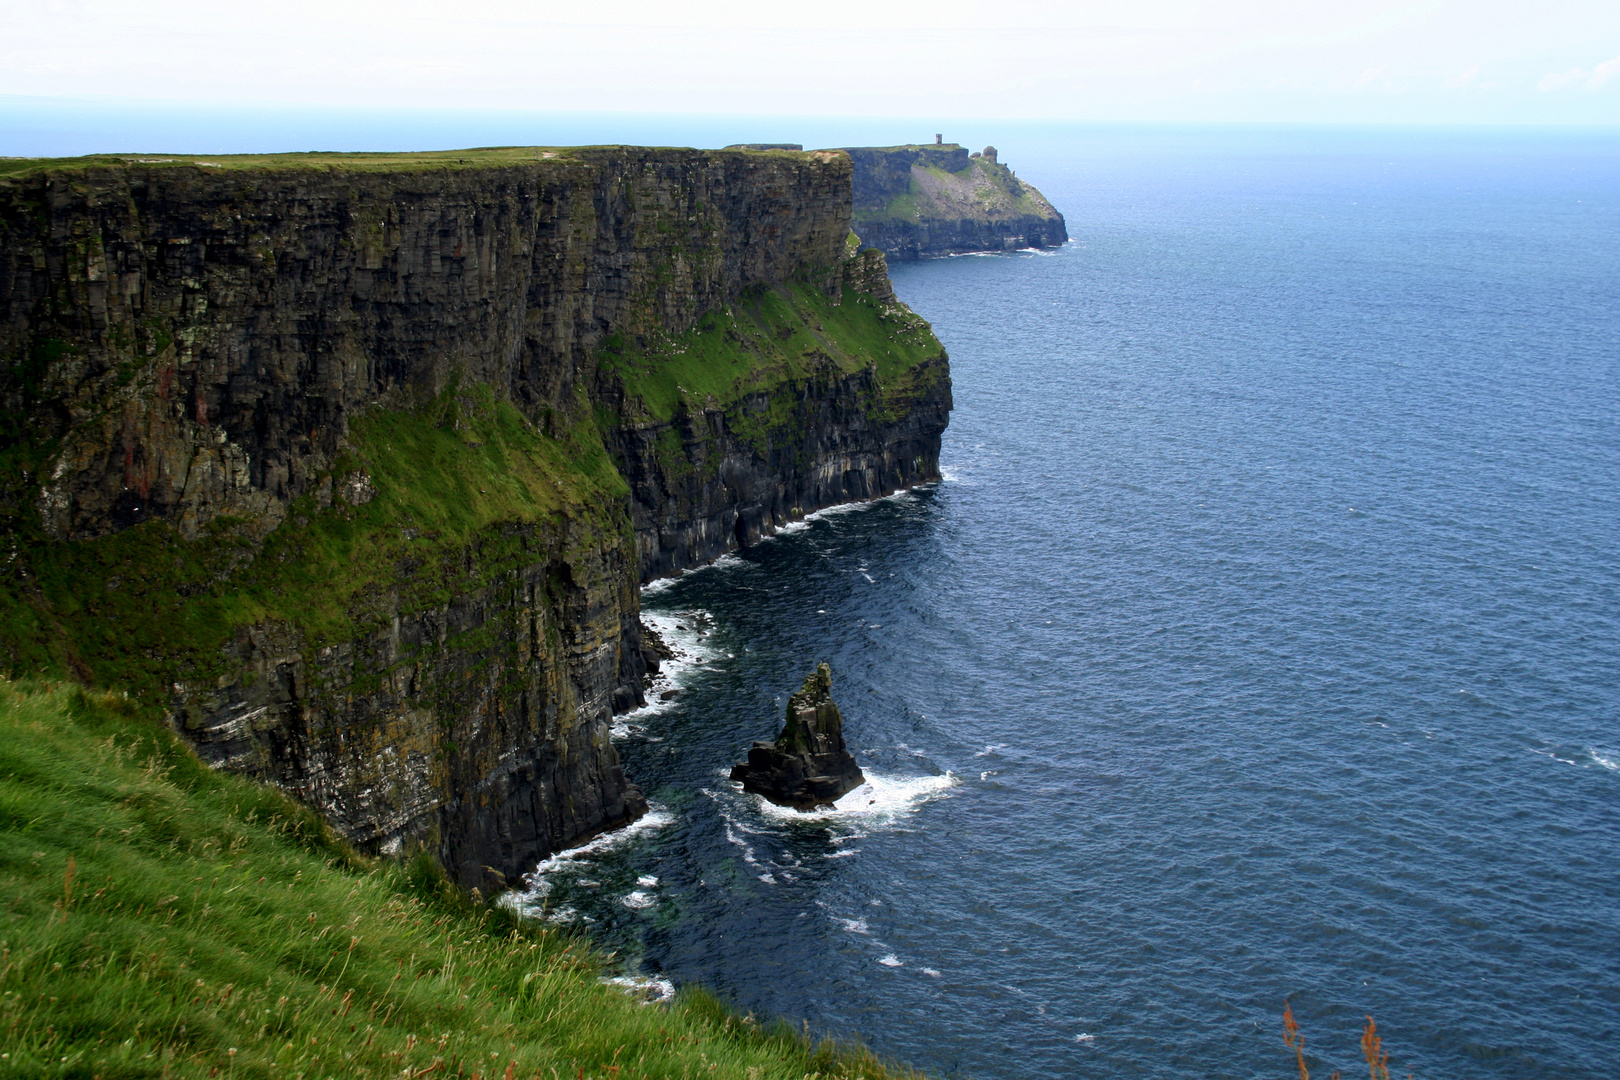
<point x="912" y="202"/>
<point x="352" y="464"/>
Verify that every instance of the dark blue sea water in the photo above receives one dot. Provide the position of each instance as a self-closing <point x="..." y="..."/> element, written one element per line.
<point x="1262" y="643"/>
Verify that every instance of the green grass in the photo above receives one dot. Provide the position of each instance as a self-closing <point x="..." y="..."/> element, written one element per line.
<point x="139" y="608"/>
<point x="763" y="339"/>
<point x="159" y="919"/>
<point x="480" y="158"/>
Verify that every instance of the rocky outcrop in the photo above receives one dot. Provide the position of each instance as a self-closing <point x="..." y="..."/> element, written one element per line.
<point x="807" y="766"/>
<point x="322" y="456"/>
<point x="913" y="202"/>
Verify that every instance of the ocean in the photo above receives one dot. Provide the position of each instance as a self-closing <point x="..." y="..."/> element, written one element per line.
<point x="1261" y="644"/>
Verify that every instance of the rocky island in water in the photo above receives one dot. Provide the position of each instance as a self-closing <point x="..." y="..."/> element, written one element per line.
<point x="912" y="202"/>
<point x="807" y="766"/>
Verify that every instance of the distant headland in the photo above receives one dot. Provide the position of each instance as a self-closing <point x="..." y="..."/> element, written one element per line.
<point x="915" y="201"/>
<point x="927" y="199"/>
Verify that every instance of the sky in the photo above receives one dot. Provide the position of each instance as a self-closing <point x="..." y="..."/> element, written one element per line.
<point x="1291" y="61"/>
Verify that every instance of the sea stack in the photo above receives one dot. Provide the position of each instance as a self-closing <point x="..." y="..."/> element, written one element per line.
<point x="807" y="766"/>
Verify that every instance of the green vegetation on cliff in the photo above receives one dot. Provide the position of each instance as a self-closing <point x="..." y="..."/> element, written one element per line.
<point x="161" y="919"/>
<point x="765" y="338"/>
<point x="139" y="608"/>
<point x="319" y="160"/>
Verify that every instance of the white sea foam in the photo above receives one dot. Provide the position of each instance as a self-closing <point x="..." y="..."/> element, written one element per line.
<point x="680" y="631"/>
<point x="1545" y="751"/>
<point x="532" y="899"/>
<point x="730" y="559"/>
<point x="880" y="798"/>
<point x="638" y="900"/>
<point x="732" y="838"/>
<point x="646" y="881"/>
<point x="932" y="973"/>
<point x="653" y="588"/>
<point x="651" y="989"/>
<point x="854" y="926"/>
<point x="1608" y="761"/>
<point x="1085" y="1037"/>
<point x="891" y="960"/>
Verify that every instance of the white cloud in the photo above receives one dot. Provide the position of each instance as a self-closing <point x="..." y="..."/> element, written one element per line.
<point x="1603" y="73"/>
<point x="1591" y="80"/>
<point x="1466" y="79"/>
<point x="1557" y="80"/>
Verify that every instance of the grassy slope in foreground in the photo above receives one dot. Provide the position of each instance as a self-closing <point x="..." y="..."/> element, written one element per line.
<point x="162" y="919"/>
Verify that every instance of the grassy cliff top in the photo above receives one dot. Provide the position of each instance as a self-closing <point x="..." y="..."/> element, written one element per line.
<point x="161" y="919"/>
<point x="328" y="161"/>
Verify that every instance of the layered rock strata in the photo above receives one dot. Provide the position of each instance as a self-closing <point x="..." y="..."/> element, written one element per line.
<point x="914" y="202"/>
<point x="807" y="766"/>
<point x="353" y="465"/>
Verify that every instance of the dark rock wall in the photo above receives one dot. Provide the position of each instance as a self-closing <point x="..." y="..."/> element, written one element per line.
<point x="193" y="344"/>
<point x="906" y="240"/>
<point x="837" y="452"/>
<point x="218" y="328"/>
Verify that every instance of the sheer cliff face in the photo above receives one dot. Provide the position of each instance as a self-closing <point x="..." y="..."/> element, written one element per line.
<point x="355" y="469"/>
<point x="913" y="202"/>
<point x="216" y="330"/>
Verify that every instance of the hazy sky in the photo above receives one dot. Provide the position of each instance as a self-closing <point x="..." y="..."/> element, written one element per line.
<point x="1552" y="61"/>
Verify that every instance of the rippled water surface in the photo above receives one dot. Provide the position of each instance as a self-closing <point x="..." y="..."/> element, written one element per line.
<point x="1263" y="642"/>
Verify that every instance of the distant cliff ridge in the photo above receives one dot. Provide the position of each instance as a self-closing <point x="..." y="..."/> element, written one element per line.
<point x="912" y="202"/>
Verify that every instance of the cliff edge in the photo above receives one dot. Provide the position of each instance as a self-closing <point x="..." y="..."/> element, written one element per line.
<point x="917" y="201"/>
<point x="351" y="465"/>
